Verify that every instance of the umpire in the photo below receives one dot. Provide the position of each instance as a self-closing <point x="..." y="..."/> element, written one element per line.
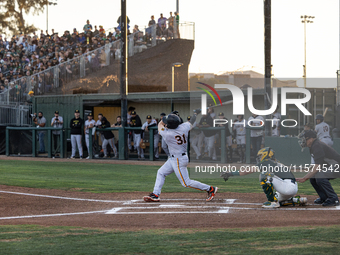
<point x="326" y="167"/>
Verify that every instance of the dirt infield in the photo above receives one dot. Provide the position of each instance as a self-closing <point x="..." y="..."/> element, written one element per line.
<point x="127" y="211"/>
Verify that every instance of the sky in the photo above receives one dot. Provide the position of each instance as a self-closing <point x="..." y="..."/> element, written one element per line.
<point x="229" y="34"/>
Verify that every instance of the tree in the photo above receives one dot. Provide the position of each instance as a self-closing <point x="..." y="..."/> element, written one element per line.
<point x="12" y="12"/>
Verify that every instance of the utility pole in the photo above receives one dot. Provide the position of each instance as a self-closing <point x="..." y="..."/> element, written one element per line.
<point x="267" y="63"/>
<point x="306" y="19"/>
<point x="124" y="72"/>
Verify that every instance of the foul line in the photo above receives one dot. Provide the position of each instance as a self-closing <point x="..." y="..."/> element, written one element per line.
<point x="49" y="215"/>
<point x="67" y="198"/>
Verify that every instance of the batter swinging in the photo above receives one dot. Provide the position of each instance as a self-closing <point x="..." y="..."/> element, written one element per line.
<point x="176" y="137"/>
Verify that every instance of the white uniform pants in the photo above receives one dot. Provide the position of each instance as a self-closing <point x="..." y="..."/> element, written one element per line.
<point x="197" y="143"/>
<point x="240" y="139"/>
<point x="179" y="166"/>
<point x="87" y="141"/>
<point x="285" y="189"/>
<point x="76" y="141"/>
<point x="112" y="145"/>
<point x="136" y="141"/>
<point x="211" y="146"/>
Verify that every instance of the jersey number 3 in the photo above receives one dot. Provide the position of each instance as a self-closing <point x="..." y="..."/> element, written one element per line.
<point x="179" y="139"/>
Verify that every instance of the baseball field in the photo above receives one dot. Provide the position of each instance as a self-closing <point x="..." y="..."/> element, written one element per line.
<point x="95" y="207"/>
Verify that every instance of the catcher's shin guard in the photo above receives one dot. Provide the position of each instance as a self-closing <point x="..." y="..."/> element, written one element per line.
<point x="268" y="189"/>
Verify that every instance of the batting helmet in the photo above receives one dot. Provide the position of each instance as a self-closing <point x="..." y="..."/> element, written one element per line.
<point x="172" y="121"/>
<point x="319" y="117"/>
<point x="265" y="153"/>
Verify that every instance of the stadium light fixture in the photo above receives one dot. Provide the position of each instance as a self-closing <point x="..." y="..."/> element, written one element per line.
<point x="177" y="64"/>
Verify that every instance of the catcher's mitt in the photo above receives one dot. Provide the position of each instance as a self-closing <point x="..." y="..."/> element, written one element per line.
<point x="226" y="175"/>
<point x="142" y="145"/>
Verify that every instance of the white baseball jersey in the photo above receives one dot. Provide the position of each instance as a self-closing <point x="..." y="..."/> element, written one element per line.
<point x="277" y="115"/>
<point x="176" y="139"/>
<point x="240" y="128"/>
<point x="257" y="121"/>
<point x="98" y="123"/>
<point x="153" y="122"/>
<point x="275" y="131"/>
<point x="88" y="123"/>
<point x="322" y="130"/>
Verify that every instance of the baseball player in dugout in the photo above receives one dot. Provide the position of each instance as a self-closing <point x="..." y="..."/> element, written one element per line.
<point x="76" y="128"/>
<point x="89" y="123"/>
<point x="325" y="168"/>
<point x="239" y="127"/>
<point x="277" y="182"/>
<point x="175" y="135"/>
<point x="108" y="138"/>
<point x="136" y="122"/>
<point x="150" y="122"/>
<point x="228" y="137"/>
<point x="56" y="122"/>
<point x="130" y="134"/>
<point x="41" y="122"/>
<point x="205" y="122"/>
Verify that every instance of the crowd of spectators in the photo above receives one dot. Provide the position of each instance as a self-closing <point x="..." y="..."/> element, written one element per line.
<point x="24" y="55"/>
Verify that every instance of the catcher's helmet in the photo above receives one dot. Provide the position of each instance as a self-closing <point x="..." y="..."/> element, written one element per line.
<point x="319" y="117"/>
<point x="265" y="153"/>
<point x="172" y="121"/>
<point x="304" y="136"/>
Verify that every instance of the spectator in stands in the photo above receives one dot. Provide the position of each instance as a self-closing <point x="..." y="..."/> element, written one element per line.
<point x="88" y="26"/>
<point x="96" y="31"/>
<point x="177" y="23"/>
<point x="161" y="21"/>
<point x="101" y="30"/>
<point x="152" y="21"/>
<point x="119" y="22"/>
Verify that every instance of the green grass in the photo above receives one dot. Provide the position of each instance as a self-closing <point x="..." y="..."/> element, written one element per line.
<point x="103" y="178"/>
<point x="74" y="240"/>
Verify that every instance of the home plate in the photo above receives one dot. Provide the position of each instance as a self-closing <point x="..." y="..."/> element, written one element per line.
<point x="174" y="205"/>
<point x="114" y="210"/>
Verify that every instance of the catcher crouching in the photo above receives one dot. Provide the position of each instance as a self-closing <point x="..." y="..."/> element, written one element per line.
<point x="276" y="180"/>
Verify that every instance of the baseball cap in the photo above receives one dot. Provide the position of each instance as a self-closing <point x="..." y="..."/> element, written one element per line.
<point x="221" y="114"/>
<point x="148" y="117"/>
<point x="77" y="111"/>
<point x="133" y="113"/>
<point x="56" y="112"/>
<point x="189" y="118"/>
<point x="163" y="114"/>
<point x="90" y="114"/>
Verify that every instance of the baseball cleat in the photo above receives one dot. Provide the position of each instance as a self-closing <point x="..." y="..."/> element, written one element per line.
<point x="318" y="201"/>
<point x="211" y="193"/>
<point x="270" y="204"/>
<point x="151" y="198"/>
<point x="329" y="202"/>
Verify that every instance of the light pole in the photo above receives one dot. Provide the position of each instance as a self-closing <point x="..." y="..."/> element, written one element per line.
<point x="48" y="3"/>
<point x="306" y="19"/>
<point x="177" y="64"/>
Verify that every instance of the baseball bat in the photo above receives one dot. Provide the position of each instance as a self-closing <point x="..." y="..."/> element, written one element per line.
<point x="324" y="113"/>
